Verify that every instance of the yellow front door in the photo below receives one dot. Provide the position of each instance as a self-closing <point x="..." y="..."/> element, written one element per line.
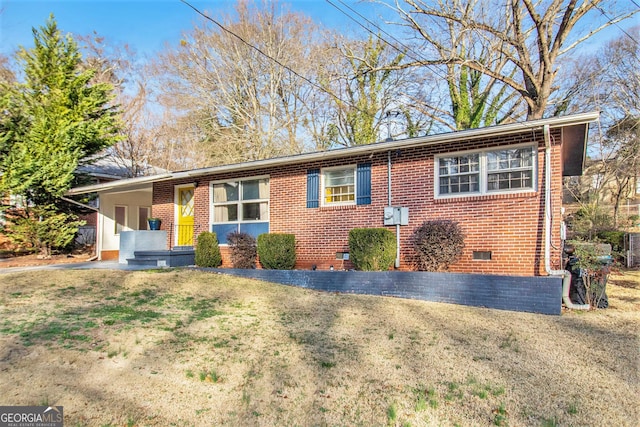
<point x="185" y="216"/>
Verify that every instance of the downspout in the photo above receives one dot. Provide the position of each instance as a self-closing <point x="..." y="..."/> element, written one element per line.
<point x="397" y="262"/>
<point x="566" y="281"/>
<point x="95" y="255"/>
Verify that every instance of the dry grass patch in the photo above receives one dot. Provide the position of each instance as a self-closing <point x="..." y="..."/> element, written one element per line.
<point x="189" y="348"/>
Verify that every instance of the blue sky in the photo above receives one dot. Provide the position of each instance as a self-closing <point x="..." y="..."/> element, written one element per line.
<point x="144" y="24"/>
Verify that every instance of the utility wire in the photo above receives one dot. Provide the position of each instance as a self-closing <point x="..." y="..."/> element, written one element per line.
<point x="407" y="49"/>
<point x="286" y="67"/>
<point x="606" y="15"/>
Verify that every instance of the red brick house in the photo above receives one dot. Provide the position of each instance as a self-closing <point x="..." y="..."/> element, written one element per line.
<point x="503" y="184"/>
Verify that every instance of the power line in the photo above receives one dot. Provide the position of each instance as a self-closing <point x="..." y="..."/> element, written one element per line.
<point x="223" y="28"/>
<point x="266" y="55"/>
<point x="408" y="49"/>
<point x="436" y="70"/>
<point x="616" y="22"/>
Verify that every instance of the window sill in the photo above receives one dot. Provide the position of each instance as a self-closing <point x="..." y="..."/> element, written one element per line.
<point x="486" y="196"/>
<point x="338" y="208"/>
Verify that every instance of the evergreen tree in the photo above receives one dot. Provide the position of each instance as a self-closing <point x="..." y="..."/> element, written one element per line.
<point x="53" y="120"/>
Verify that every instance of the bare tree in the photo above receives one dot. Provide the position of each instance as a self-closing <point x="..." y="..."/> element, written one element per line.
<point x="528" y="36"/>
<point x="363" y="94"/>
<point x="120" y="66"/>
<point x="608" y="80"/>
<point x="237" y="88"/>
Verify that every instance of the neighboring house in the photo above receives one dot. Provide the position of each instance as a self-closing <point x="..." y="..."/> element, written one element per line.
<point x="596" y="186"/>
<point x="491" y="180"/>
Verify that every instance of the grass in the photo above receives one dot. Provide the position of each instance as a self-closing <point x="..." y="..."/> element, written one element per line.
<point x="188" y="348"/>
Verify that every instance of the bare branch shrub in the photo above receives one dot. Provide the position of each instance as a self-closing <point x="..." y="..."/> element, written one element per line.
<point x="438" y="244"/>
<point x="243" y="250"/>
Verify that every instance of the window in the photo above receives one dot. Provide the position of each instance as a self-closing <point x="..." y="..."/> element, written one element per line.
<point x="339" y="186"/>
<point x="240" y="206"/>
<point x="143" y="216"/>
<point x="510" y="169"/>
<point x="346" y="185"/>
<point x="120" y="217"/>
<point x="460" y="174"/>
<point x="504" y="170"/>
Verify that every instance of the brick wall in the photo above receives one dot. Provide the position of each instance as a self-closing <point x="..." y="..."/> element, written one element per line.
<point x="531" y="294"/>
<point x="511" y="226"/>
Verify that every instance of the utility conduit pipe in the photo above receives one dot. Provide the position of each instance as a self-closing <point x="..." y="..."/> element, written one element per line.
<point x="566" y="276"/>
<point x="397" y="262"/>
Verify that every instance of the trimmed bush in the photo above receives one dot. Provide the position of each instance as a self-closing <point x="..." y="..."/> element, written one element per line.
<point x="277" y="251"/>
<point x="372" y="249"/>
<point x="242" y="247"/>
<point x="438" y="244"/>
<point x="208" y="250"/>
<point x="615" y="238"/>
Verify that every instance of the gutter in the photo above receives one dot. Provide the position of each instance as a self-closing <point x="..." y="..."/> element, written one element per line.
<point x="429" y="140"/>
<point x="566" y="276"/>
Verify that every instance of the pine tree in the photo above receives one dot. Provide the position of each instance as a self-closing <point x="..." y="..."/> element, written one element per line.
<point x="53" y="120"/>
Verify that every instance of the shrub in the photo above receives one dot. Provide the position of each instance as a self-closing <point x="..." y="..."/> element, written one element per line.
<point x="614" y="238"/>
<point x="207" y="250"/>
<point x="438" y="244"/>
<point x="372" y="249"/>
<point x="277" y="251"/>
<point x="243" y="251"/>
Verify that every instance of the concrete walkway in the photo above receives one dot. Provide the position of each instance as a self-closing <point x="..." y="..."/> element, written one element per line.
<point x="101" y="265"/>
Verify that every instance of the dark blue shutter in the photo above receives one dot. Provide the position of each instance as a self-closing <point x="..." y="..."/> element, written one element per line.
<point x="313" y="188"/>
<point x="363" y="190"/>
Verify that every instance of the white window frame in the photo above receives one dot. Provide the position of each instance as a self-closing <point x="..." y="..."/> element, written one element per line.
<point x="323" y="173"/>
<point x="484" y="172"/>
<point x="239" y="203"/>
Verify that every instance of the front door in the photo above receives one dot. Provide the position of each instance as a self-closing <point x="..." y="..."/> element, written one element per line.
<point x="185" y="216"/>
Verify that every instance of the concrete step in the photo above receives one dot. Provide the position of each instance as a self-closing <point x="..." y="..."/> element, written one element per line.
<point x="164" y="258"/>
<point x="146" y="262"/>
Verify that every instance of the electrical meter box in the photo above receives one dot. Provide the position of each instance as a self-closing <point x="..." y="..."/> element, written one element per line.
<point x="396" y="215"/>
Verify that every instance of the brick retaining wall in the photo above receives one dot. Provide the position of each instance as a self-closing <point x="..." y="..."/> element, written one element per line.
<point x="538" y="294"/>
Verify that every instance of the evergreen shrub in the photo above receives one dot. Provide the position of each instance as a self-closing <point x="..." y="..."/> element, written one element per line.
<point x="208" y="250"/>
<point x="277" y="251"/>
<point x="372" y="249"/>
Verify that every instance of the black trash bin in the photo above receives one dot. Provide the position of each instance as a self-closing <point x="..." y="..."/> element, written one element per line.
<point x="578" y="289"/>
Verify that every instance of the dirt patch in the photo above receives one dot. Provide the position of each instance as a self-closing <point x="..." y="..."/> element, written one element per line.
<point x="180" y="347"/>
<point x="32" y="260"/>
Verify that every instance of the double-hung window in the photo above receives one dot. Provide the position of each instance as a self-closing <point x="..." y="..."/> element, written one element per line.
<point x="486" y="172"/>
<point x="459" y="174"/>
<point x="339" y="186"/>
<point x="242" y="206"/>
<point x="510" y="169"/>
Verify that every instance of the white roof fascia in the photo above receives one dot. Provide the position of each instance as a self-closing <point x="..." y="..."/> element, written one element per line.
<point x="129" y="182"/>
<point x="486" y="132"/>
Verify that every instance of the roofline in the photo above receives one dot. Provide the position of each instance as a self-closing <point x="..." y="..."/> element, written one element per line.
<point x="490" y="131"/>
